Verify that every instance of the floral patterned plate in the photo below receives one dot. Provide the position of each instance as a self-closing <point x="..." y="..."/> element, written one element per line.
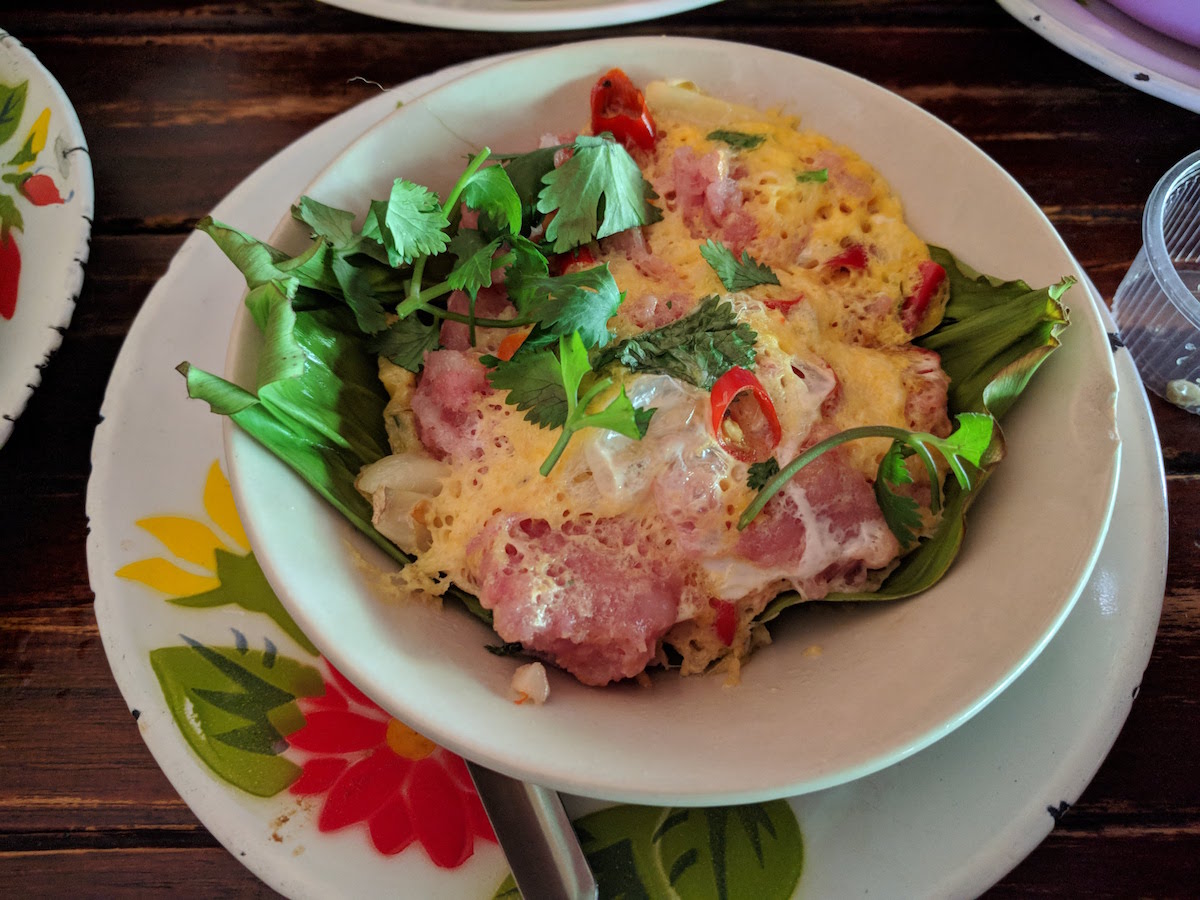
<point x="321" y="793"/>
<point x="45" y="222"/>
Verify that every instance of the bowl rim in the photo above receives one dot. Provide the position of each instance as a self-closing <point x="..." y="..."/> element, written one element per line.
<point x="567" y="778"/>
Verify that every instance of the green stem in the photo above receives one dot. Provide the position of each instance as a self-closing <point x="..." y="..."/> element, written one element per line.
<point x="466" y="176"/>
<point x="773" y="487"/>
<point x="417" y="298"/>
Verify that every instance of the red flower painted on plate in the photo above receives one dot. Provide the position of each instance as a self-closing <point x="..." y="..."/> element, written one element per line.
<point x="372" y="768"/>
<point x="10" y="273"/>
<point x="40" y="190"/>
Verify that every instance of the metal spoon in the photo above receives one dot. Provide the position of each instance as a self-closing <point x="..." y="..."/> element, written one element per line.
<point x="536" y="837"/>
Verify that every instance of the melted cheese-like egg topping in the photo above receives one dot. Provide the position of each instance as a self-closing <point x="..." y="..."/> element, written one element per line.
<point x="842" y="337"/>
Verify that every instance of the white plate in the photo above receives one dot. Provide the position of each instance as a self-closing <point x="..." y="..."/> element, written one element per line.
<point x="53" y="243"/>
<point x="889" y="678"/>
<point x="519" y="15"/>
<point x="1104" y="37"/>
<point x="947" y="822"/>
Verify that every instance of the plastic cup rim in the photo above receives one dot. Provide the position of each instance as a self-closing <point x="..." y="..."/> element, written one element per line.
<point x="1162" y="267"/>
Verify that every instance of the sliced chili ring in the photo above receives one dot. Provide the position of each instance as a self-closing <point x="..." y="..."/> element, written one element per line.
<point x="620" y="108"/>
<point x="739" y="399"/>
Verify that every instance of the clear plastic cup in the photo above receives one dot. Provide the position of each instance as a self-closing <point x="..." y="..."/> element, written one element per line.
<point x="1157" y="304"/>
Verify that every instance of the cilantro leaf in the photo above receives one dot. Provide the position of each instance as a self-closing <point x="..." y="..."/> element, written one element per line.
<point x="534" y="382"/>
<point x="335" y="225"/>
<point x="735" y="274"/>
<point x="581" y="302"/>
<point x="761" y="472"/>
<point x="597" y="192"/>
<point x="819" y="176"/>
<point x="546" y="387"/>
<point x="476" y="261"/>
<point x="406" y="341"/>
<point x="698" y="349"/>
<point x="899" y="510"/>
<point x="490" y="191"/>
<point x="526" y="171"/>
<point x="739" y="140"/>
<point x="410" y="223"/>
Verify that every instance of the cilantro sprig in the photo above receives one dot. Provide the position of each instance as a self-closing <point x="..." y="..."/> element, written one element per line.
<point x="547" y="388"/>
<point x="964" y="452"/>
<point x="736" y="274"/>
<point x="698" y="348"/>
<point x="598" y="192"/>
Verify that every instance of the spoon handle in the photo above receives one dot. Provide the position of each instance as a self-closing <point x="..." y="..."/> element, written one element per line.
<point x="536" y="837"/>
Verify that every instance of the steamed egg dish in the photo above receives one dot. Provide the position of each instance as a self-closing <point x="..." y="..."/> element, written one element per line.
<point x="626" y="554"/>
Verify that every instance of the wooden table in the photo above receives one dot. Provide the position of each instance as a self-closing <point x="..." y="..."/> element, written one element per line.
<point x="181" y="101"/>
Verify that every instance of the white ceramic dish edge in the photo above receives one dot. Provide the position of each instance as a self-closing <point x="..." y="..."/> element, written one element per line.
<point x="572" y="776"/>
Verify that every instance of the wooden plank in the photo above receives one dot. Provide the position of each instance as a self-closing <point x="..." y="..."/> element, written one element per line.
<point x="125" y="872"/>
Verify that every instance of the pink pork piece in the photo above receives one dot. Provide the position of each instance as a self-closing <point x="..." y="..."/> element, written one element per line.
<point x="445" y="403"/>
<point x="594" y="597"/>
<point x="841" y="497"/>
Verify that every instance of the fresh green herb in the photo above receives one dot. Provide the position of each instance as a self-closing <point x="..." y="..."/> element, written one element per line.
<point x="599" y="191"/>
<point x="558" y="305"/>
<point x="994" y="336"/>
<point x="410" y="223"/>
<point x="964" y="452"/>
<point x="547" y="388"/>
<point x="698" y="348"/>
<point x="813" y="175"/>
<point x="739" y="140"/>
<point x="406" y="341"/>
<point x="761" y="472"/>
<point x="735" y="274"/>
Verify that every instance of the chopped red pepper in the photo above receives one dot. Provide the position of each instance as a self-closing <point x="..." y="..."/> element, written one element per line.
<point x="853" y="257"/>
<point x="912" y="311"/>
<point x="725" y="623"/>
<point x="782" y="304"/>
<point x="10" y="273"/>
<point x="619" y="107"/>
<point x="511" y="343"/>
<point x="757" y="421"/>
<point x="579" y="258"/>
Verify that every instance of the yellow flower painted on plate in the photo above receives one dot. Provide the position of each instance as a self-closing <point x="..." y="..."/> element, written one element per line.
<point x="190" y="541"/>
<point x="228" y="572"/>
<point x="36" y="139"/>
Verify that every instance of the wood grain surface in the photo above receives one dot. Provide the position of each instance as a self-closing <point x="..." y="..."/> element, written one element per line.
<point x="181" y="101"/>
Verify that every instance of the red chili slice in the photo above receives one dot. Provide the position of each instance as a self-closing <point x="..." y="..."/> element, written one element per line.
<point x="619" y="107"/>
<point x="912" y="311"/>
<point x="725" y="622"/>
<point x="853" y="257"/>
<point x="579" y="258"/>
<point x="757" y="420"/>
<point x="782" y="304"/>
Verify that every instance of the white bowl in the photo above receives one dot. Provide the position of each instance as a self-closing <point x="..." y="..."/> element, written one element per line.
<point x="844" y="690"/>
